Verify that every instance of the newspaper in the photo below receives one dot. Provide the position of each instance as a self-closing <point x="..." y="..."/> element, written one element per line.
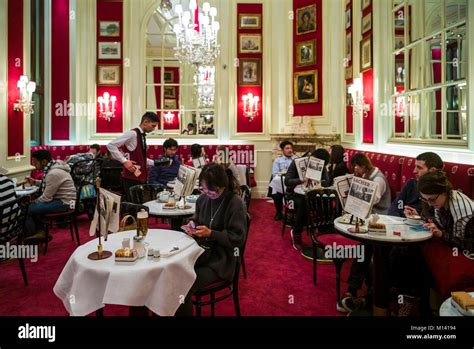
<point x="109" y="214"/>
<point x="343" y="184"/>
<point x="361" y="198"/>
<point x="315" y="169"/>
<point x="186" y="180"/>
<point x="199" y="162"/>
<point x="3" y="171"/>
<point x="301" y="166"/>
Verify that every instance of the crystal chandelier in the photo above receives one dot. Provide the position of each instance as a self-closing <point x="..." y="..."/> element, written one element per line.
<point x="196" y="34"/>
<point x="204" y="81"/>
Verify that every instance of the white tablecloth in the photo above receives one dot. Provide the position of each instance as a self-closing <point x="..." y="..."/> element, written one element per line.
<point x="26" y="191"/>
<point x="85" y="286"/>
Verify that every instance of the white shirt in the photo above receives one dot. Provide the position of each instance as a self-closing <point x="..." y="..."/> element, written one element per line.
<point x="381" y="185"/>
<point x="129" y="139"/>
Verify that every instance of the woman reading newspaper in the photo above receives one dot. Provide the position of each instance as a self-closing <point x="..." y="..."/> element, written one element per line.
<point x="361" y="270"/>
<point x="219" y="225"/>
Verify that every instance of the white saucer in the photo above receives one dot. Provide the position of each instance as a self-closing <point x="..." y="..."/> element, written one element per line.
<point x="413" y="224"/>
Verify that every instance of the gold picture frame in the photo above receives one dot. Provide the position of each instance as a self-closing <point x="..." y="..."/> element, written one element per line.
<point x="168" y="76"/>
<point x="306" y="20"/>
<point x="250" y="72"/>
<point x="250" y="21"/>
<point x="305" y="87"/>
<point x="169" y="91"/>
<point x="306" y="53"/>
<point x="366" y="54"/>
<point x="109" y="74"/>
<point x="250" y="43"/>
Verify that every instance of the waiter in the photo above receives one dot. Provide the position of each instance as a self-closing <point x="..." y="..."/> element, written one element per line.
<point x="133" y="158"/>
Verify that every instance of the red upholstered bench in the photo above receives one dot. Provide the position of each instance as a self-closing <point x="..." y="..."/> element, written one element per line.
<point x="461" y="176"/>
<point x="450" y="273"/>
<point x="241" y="154"/>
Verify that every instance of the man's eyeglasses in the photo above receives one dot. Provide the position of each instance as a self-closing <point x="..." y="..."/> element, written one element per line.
<point x="430" y="200"/>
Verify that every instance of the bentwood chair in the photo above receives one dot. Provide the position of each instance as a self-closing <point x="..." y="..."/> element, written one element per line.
<point x="139" y="194"/>
<point x="231" y="287"/>
<point x="12" y="225"/>
<point x="323" y="208"/>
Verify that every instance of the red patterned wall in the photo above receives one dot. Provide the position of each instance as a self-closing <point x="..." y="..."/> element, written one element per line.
<point x="15" y="70"/>
<point x="243" y="123"/>
<point x="59" y="70"/>
<point x="110" y="10"/>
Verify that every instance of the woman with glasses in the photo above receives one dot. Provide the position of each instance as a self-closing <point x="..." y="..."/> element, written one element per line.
<point x="453" y="219"/>
<point x="219" y="225"/>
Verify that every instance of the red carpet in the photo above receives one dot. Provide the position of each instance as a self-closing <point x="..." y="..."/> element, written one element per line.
<point x="279" y="279"/>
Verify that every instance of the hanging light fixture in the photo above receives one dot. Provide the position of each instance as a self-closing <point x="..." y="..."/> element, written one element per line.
<point x="196" y="34"/>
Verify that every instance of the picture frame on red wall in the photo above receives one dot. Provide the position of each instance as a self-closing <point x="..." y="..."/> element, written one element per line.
<point x="366" y="23"/>
<point x="250" y="43"/>
<point x="366" y="54"/>
<point x="250" y="72"/>
<point x="109" y="28"/>
<point x="306" y="20"/>
<point x="306" y="87"/>
<point x="306" y="53"/>
<point x="109" y="74"/>
<point x="250" y="21"/>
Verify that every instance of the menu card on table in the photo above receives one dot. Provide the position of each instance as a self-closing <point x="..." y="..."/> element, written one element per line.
<point x="109" y="213"/>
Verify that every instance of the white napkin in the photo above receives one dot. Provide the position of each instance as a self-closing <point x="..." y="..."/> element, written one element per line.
<point x="177" y="247"/>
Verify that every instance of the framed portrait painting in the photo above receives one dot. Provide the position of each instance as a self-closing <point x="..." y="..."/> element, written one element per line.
<point x="249" y="72"/>
<point x="306" y="20"/>
<point x="306" y="53"/>
<point x="399" y="72"/>
<point x="250" y="21"/>
<point x="108" y="74"/>
<point x="306" y="87"/>
<point x="250" y="43"/>
<point x="366" y="54"/>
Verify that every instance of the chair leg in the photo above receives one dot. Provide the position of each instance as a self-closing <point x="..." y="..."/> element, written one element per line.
<point x="46" y="228"/>
<point x="236" y="301"/>
<point x="243" y="267"/>
<point x="71" y="230"/>
<point x="213" y="305"/>
<point x="23" y="270"/>
<point x="338" y="263"/>
<point x="285" y="217"/>
<point x="77" y="231"/>
<point x="315" y="262"/>
<point x="198" y="306"/>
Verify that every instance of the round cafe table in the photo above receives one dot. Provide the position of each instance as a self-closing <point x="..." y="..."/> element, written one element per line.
<point x="176" y="215"/>
<point x="381" y="248"/>
<point x="447" y="308"/>
<point x="85" y="285"/>
<point x="28" y="191"/>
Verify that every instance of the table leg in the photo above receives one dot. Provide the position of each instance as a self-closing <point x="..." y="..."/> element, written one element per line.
<point x="381" y="288"/>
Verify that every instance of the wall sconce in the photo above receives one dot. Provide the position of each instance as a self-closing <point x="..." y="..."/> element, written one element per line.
<point x="107" y="106"/>
<point x="169" y="116"/>
<point x="359" y="107"/>
<point x="250" y="105"/>
<point x="26" y="87"/>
